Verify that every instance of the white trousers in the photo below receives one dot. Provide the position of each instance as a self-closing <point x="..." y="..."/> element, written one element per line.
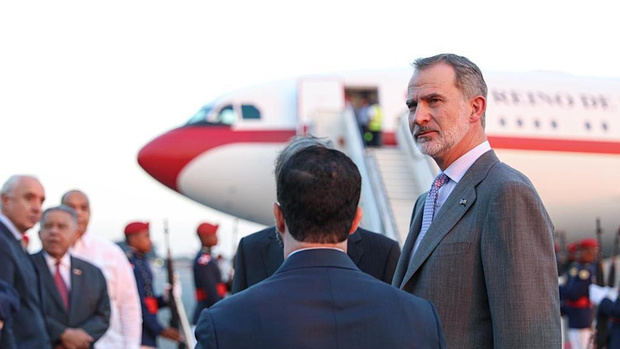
<point x="580" y="338"/>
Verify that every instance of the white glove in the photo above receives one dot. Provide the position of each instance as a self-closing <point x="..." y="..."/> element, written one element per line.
<point x="612" y="294"/>
<point x="598" y="293"/>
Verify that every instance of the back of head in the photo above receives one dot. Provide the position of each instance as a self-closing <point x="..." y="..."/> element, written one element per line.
<point x="296" y="144"/>
<point x="318" y="190"/>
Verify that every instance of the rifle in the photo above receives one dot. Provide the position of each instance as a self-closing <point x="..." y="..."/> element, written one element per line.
<point x="612" y="268"/>
<point x="178" y="318"/>
<point x="602" y="321"/>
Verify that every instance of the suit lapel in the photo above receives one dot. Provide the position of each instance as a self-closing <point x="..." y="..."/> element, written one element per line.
<point x="354" y="247"/>
<point x="414" y="230"/>
<point x="457" y="204"/>
<point x="77" y="279"/>
<point x="273" y="254"/>
<point x="48" y="280"/>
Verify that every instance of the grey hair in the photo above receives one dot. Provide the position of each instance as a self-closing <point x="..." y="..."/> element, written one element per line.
<point x="11" y="183"/>
<point x="468" y="77"/>
<point x="63" y="208"/>
<point x="296" y="144"/>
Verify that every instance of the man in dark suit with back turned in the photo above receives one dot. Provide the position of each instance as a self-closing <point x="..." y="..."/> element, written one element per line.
<point x="260" y="254"/>
<point x="22" y="197"/>
<point x="318" y="298"/>
<point x="480" y="244"/>
<point x="75" y="296"/>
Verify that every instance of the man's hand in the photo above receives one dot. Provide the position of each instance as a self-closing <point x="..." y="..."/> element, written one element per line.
<point x="172" y="334"/>
<point x="75" y="338"/>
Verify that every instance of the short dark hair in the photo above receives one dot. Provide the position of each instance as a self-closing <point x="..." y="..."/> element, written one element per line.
<point x="318" y="190"/>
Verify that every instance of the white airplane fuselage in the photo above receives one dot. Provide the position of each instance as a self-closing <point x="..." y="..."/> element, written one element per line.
<point x="563" y="132"/>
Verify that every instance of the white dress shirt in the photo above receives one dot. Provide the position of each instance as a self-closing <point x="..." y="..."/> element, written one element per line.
<point x="457" y="170"/>
<point x="64" y="267"/>
<point x="125" y="331"/>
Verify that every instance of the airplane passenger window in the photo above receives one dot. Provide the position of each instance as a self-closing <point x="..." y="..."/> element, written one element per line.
<point x="250" y="112"/>
<point x="227" y="115"/>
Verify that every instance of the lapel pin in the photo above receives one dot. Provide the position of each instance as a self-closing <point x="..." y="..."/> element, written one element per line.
<point x="463" y="202"/>
<point x="77" y="272"/>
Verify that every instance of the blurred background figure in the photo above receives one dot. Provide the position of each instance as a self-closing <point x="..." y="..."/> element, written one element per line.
<point x="22" y="198"/>
<point x="76" y="302"/>
<point x="576" y="296"/>
<point x="207" y="274"/>
<point x="125" y="317"/>
<point x="138" y="239"/>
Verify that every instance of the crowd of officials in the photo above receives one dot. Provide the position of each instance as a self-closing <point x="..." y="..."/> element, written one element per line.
<point x="477" y="270"/>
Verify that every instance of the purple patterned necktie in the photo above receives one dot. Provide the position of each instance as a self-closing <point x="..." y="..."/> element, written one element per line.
<point x="62" y="287"/>
<point x="429" y="208"/>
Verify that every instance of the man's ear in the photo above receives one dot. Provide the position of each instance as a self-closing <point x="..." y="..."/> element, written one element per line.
<point x="359" y="213"/>
<point x="279" y="216"/>
<point x="478" y="106"/>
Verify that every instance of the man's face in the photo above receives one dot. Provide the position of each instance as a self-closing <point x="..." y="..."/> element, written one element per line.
<point x="57" y="233"/>
<point x="588" y="254"/>
<point x="438" y="111"/>
<point x="79" y="202"/>
<point x="141" y="241"/>
<point x="23" y="204"/>
<point x="208" y="240"/>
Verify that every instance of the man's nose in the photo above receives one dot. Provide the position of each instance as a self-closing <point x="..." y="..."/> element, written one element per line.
<point x="420" y="115"/>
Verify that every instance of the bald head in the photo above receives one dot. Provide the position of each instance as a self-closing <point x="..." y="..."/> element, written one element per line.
<point x="22" y="197"/>
<point x="78" y="201"/>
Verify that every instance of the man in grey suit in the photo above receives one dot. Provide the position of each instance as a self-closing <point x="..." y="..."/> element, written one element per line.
<point x="75" y="297"/>
<point x="480" y="243"/>
<point x="22" y="197"/>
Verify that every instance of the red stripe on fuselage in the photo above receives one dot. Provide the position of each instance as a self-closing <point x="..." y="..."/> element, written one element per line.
<point x="551" y="144"/>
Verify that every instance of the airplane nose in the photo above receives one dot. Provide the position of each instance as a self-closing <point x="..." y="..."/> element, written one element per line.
<point x="164" y="157"/>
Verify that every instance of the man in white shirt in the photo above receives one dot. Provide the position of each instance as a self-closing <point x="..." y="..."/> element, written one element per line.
<point x="125" y="330"/>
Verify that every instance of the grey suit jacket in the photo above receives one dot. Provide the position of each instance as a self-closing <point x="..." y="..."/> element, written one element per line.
<point x="89" y="305"/>
<point x="487" y="262"/>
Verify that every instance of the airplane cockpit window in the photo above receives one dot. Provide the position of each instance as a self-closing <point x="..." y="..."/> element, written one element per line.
<point x="250" y="112"/>
<point x="227" y="115"/>
<point x="201" y="116"/>
<point x="209" y="115"/>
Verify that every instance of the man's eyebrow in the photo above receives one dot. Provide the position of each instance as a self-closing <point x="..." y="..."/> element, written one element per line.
<point x="431" y="96"/>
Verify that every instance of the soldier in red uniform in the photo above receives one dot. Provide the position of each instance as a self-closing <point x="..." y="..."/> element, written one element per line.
<point x="207" y="275"/>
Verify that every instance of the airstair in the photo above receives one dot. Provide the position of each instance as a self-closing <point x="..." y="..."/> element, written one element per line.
<point x="392" y="178"/>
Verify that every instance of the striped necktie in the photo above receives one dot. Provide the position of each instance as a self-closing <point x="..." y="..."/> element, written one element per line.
<point x="429" y="208"/>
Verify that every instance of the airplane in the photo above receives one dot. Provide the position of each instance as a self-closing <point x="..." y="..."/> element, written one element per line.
<point x="562" y="131"/>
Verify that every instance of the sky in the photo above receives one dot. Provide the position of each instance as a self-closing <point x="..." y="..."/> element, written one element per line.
<point x="85" y="84"/>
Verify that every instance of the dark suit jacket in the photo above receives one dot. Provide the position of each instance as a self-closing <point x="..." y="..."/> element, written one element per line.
<point x="259" y="255"/>
<point x="487" y="262"/>
<point x="27" y="328"/>
<point x="89" y="305"/>
<point x="320" y="299"/>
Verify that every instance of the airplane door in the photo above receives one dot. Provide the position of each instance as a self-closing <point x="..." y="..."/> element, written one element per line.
<point x="317" y="100"/>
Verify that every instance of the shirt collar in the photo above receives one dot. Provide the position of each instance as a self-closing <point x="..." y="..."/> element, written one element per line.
<point x="315" y="248"/>
<point x="7" y="222"/>
<point x="65" y="260"/>
<point x="458" y="168"/>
